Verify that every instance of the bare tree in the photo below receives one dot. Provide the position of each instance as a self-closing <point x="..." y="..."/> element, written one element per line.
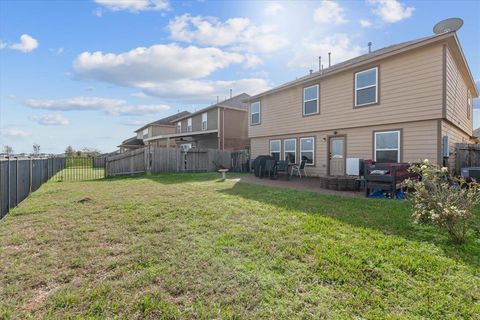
<point x="69" y="151"/>
<point x="7" y="149"/>
<point x="36" y="149"/>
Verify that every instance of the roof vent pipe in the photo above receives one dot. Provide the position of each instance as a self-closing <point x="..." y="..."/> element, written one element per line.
<point x="369" y="47"/>
<point x="319" y="63"/>
<point x="329" y="59"/>
<point x="322" y="70"/>
<point x="311" y="71"/>
<point x="231" y="90"/>
<point x="218" y="98"/>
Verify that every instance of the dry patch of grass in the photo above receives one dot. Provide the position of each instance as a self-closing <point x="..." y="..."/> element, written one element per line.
<point x="188" y="246"/>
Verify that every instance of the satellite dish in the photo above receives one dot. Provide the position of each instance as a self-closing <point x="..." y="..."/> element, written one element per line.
<point x="448" y="25"/>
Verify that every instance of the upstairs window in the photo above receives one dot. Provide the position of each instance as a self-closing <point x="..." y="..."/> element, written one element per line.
<point x="307" y="150"/>
<point x="310" y="100"/>
<point x="275" y="146"/>
<point x="366" y="87"/>
<point x="387" y="146"/>
<point x="290" y="150"/>
<point x="204" y="121"/>
<point x="145" y="133"/>
<point x="189" y="125"/>
<point x="255" y="113"/>
<point x="469" y="105"/>
<point x="179" y="127"/>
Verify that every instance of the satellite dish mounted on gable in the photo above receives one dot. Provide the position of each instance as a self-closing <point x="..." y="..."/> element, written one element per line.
<point x="448" y="25"/>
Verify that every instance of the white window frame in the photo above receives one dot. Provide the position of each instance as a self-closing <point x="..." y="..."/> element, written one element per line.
<point x="259" y="113"/>
<point x="366" y="87"/>
<point x="189" y="125"/>
<point x="280" y="148"/>
<point x="312" y="151"/>
<point x="145" y="133"/>
<point x="304" y="101"/>
<point x="179" y="127"/>
<point x="285" y="151"/>
<point x="398" y="149"/>
<point x="204" y="121"/>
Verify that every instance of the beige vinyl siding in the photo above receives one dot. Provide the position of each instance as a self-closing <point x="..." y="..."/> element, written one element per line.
<point x="456" y="96"/>
<point x="455" y="135"/>
<point x="162" y="130"/>
<point x="418" y="142"/>
<point x="212" y="121"/>
<point x="410" y="87"/>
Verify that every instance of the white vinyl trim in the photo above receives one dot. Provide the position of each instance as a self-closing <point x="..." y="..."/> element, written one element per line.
<point x="304" y="101"/>
<point x="312" y="150"/>
<point x="366" y="87"/>
<point x="390" y="149"/>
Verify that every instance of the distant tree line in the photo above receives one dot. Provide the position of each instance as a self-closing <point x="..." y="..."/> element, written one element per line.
<point x="85" y="152"/>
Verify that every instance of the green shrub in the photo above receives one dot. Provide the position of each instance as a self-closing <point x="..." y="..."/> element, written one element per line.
<point x="443" y="200"/>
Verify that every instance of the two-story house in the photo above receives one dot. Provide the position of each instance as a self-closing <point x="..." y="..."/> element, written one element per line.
<point x="160" y="127"/>
<point x="223" y="126"/>
<point x="402" y="103"/>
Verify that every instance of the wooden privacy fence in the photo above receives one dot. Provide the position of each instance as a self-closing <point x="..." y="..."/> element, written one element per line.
<point x="158" y="159"/>
<point x="467" y="155"/>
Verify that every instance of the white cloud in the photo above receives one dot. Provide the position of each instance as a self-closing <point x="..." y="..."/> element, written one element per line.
<point x="133" y="5"/>
<point x="15" y="133"/>
<point x="329" y="12"/>
<point x="307" y="52"/>
<point x="252" y="60"/>
<point x="139" y="95"/>
<point x="26" y="44"/>
<point x="239" y="34"/>
<point x="55" y="119"/>
<point x="142" y="66"/>
<point x="97" y="12"/>
<point x="204" y="91"/>
<point x="274" y="8"/>
<point x="109" y="106"/>
<point x="157" y="71"/>
<point x="57" y="51"/>
<point x="365" y="23"/>
<point x="391" y="10"/>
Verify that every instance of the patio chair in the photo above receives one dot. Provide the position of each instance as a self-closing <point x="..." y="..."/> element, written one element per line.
<point x="271" y="168"/>
<point x="282" y="166"/>
<point x="298" y="169"/>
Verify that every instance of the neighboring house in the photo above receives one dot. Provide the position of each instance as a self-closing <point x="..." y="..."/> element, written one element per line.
<point x="223" y="126"/>
<point x="395" y="104"/>
<point x="159" y="127"/>
<point x="131" y="144"/>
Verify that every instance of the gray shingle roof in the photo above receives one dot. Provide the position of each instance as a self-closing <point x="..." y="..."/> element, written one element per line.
<point x="166" y="121"/>
<point x="133" y="141"/>
<point x="476" y="133"/>
<point x="238" y="102"/>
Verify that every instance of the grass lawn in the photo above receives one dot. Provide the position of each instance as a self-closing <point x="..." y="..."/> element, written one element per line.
<point x="188" y="246"/>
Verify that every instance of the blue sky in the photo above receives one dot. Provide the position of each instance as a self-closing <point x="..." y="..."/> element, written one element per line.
<point x="88" y="73"/>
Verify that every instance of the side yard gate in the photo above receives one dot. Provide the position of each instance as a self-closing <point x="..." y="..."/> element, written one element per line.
<point x="467" y="155"/>
<point x="158" y="159"/>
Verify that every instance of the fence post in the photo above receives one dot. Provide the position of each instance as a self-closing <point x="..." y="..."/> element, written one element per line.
<point x="8" y="175"/>
<point x="30" y="176"/>
<point x="16" y="181"/>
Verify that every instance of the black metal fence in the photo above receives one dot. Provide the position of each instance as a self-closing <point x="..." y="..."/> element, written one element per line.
<point x="82" y="168"/>
<point x="20" y="176"/>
